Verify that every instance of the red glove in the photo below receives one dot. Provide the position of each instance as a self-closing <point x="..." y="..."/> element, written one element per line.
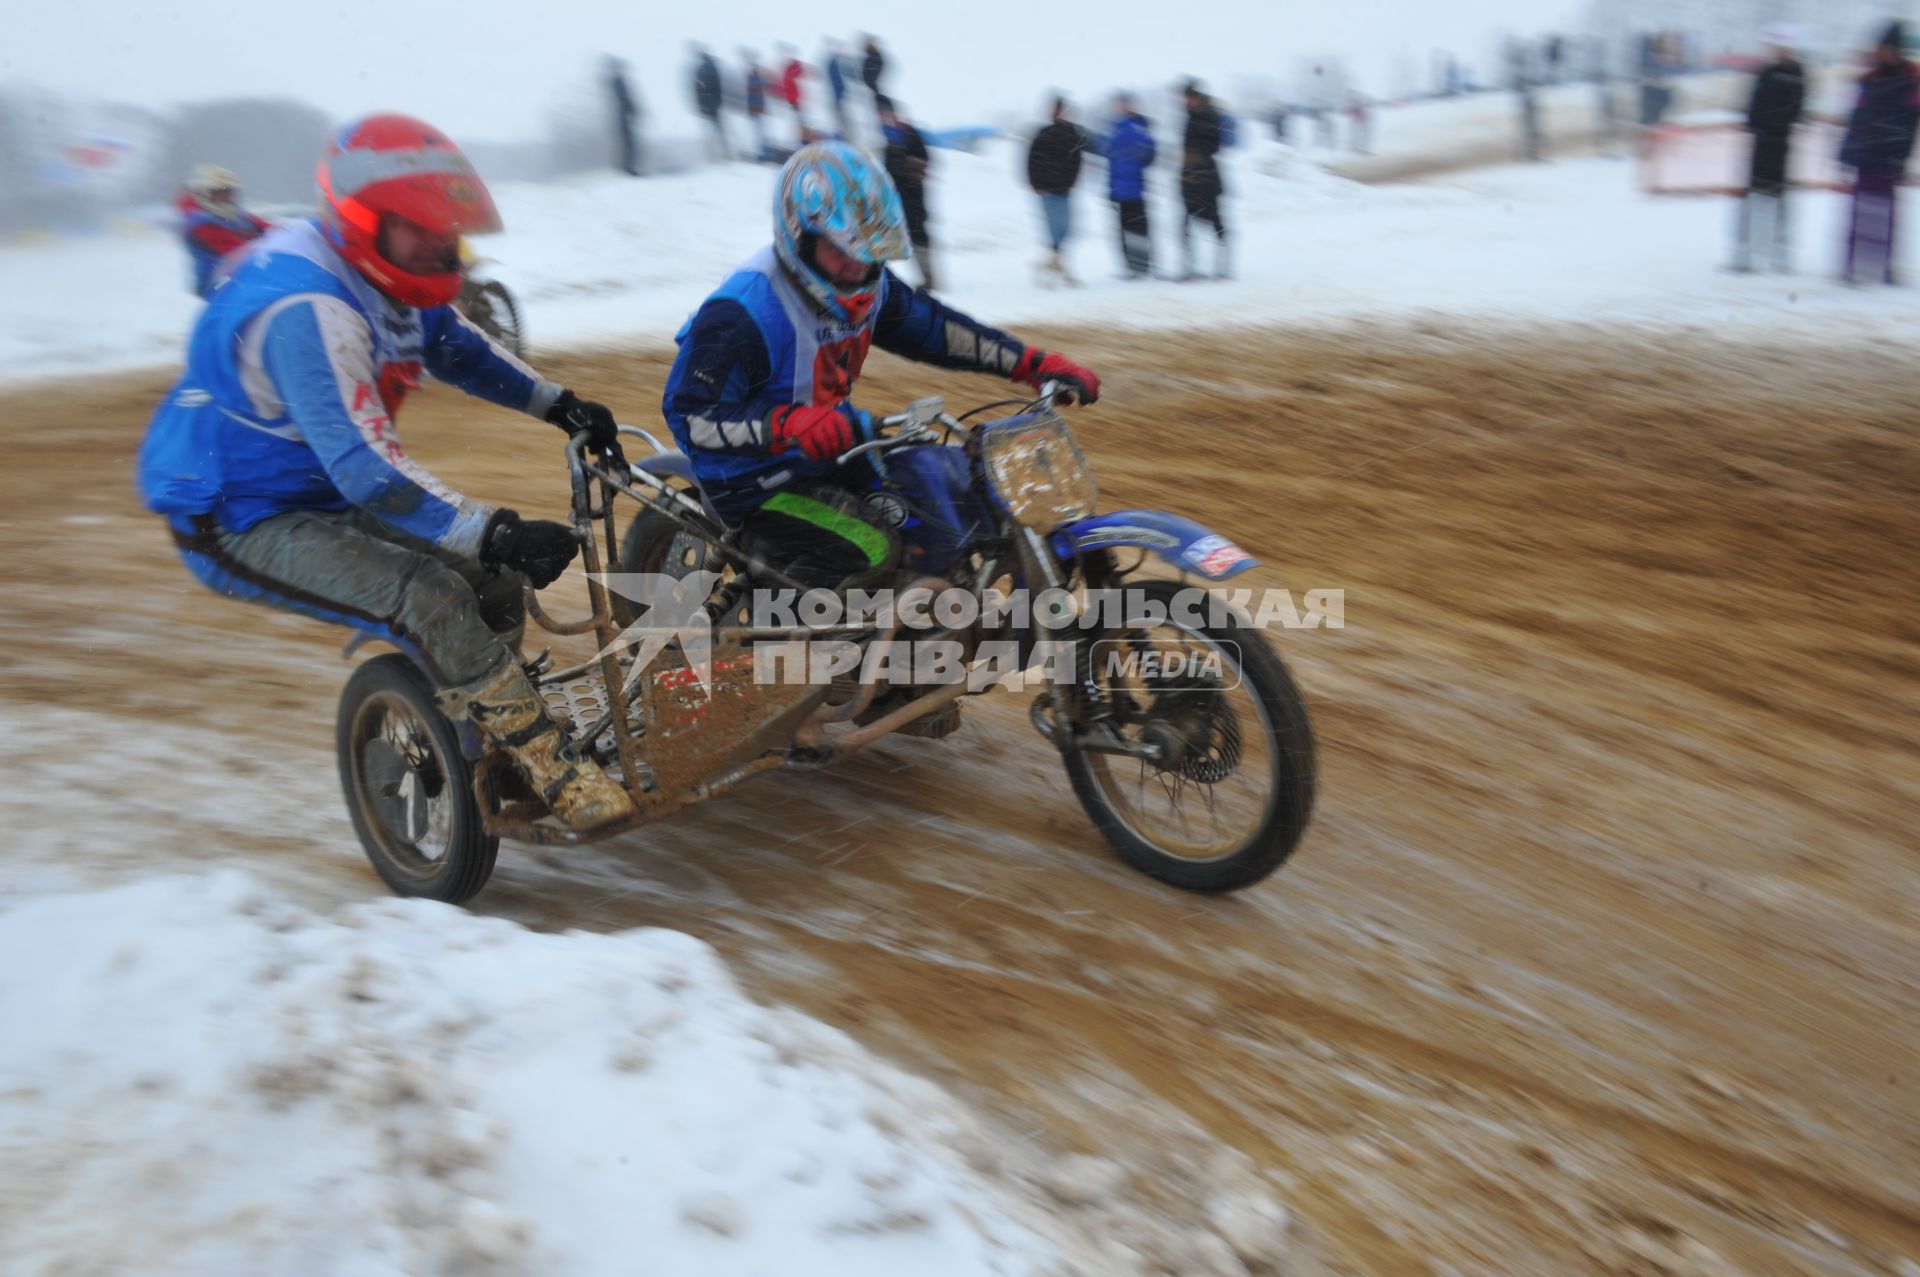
<point x="1037" y="366"/>
<point x="821" y="431"/>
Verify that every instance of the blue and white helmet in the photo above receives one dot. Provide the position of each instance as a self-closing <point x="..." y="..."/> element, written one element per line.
<point x="832" y="191"/>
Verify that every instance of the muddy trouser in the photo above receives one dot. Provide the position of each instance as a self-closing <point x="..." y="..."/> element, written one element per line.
<point x="454" y="616"/>
<point x="816" y="532"/>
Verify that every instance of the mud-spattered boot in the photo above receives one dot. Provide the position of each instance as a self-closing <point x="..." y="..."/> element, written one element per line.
<point x="508" y="710"/>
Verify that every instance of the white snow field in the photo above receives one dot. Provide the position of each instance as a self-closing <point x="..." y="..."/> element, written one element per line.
<point x="199" y="1077"/>
<point x="203" y="1078"/>
<point x="606" y="260"/>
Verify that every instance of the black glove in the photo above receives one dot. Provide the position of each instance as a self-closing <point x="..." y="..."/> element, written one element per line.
<point x="538" y="548"/>
<point x="573" y="414"/>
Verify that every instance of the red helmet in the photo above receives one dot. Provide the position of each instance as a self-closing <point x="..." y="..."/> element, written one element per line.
<point x="393" y="166"/>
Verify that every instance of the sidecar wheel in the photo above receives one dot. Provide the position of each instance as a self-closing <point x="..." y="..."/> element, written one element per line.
<point x="409" y="790"/>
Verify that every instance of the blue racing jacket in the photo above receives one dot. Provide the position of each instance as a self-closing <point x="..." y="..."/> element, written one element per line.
<point x="758" y="343"/>
<point x="1130" y="153"/>
<point x="294" y="373"/>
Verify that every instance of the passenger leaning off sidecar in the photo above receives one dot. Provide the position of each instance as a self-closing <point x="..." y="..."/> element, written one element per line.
<point x="758" y="397"/>
<point x="276" y="464"/>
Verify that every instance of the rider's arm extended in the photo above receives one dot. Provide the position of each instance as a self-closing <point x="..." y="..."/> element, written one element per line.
<point x="918" y="326"/>
<point x="319" y="355"/>
<point x="458" y="353"/>
<point x="215" y="237"/>
<point x="716" y="400"/>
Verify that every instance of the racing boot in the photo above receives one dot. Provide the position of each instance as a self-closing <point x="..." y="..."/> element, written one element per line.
<point x="508" y="711"/>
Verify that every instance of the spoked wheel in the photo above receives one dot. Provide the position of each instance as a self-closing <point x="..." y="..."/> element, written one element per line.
<point x="655" y="543"/>
<point x="409" y="790"/>
<point x="494" y="312"/>
<point x="1230" y="791"/>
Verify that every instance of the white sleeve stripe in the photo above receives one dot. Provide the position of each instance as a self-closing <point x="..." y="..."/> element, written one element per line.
<point x="350" y="353"/>
<point x="705" y="433"/>
<point x="518" y="364"/>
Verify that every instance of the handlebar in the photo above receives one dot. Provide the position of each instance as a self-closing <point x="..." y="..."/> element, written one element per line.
<point x="915" y="425"/>
<point x="922" y="415"/>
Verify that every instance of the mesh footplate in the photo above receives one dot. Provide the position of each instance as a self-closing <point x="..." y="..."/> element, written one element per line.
<point x="582" y="702"/>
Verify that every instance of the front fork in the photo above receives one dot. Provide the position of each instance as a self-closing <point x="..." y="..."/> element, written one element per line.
<point x="1078" y="715"/>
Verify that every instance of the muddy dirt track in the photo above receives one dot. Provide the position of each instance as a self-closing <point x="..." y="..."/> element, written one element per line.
<point x="1600" y="954"/>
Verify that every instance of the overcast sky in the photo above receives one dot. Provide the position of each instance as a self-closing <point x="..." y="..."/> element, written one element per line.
<point x="495" y="70"/>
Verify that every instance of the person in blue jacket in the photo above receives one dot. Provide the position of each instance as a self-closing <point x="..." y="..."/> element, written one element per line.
<point x="1130" y="153"/>
<point x="1878" y="142"/>
<point x="760" y="395"/>
<point x="835" y="61"/>
<point x="275" y="462"/>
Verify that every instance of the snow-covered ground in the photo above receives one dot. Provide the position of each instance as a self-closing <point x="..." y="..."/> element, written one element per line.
<point x="202" y="1078"/>
<point x="606" y="260"/>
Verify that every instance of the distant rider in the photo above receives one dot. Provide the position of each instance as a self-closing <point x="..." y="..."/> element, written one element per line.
<point x="276" y="462"/>
<point x="212" y="222"/>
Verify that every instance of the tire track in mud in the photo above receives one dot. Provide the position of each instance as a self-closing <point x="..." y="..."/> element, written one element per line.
<point x="1599" y="956"/>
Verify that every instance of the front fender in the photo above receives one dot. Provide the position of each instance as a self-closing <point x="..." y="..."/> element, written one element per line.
<point x="1181" y="542"/>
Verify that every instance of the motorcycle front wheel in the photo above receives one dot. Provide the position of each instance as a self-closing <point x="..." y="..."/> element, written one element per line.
<point x="1229" y="797"/>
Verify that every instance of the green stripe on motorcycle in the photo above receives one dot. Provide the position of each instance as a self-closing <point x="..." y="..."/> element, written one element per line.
<point x="872" y="541"/>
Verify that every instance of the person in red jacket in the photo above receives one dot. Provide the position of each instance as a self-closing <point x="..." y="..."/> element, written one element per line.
<point x="213" y="223"/>
<point x="789" y="88"/>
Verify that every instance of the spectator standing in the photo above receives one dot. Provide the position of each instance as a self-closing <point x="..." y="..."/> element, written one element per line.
<point x="626" y="117"/>
<point x="1523" y="79"/>
<point x="1322" y="101"/>
<point x="1201" y="186"/>
<point x="708" y="97"/>
<point x="755" y="81"/>
<point x="1053" y="167"/>
<point x="873" y="68"/>
<point x="1878" y="141"/>
<point x="1130" y="153"/>
<point x="1779" y="95"/>
<point x="907" y="162"/>
<point x="834" y="60"/>
<point x="1606" y="109"/>
<point x="1359" y="123"/>
<point x="793" y="74"/>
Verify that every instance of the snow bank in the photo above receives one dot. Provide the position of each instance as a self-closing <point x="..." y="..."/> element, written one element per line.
<point x="201" y="1078"/>
<point x="606" y="260"/>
